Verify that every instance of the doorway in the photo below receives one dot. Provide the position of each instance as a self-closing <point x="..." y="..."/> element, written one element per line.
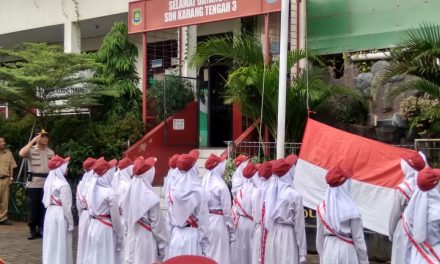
<point x="220" y="114"/>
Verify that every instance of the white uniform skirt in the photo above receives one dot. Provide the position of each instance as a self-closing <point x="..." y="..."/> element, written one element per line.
<point x="57" y="241"/>
<point x="184" y="241"/>
<point x="83" y="228"/>
<point x="401" y="246"/>
<point x="218" y="235"/>
<point x="256" y="245"/>
<point x="241" y="249"/>
<point x="101" y="244"/>
<point x="141" y="246"/>
<point x="281" y="245"/>
<point x="338" y="251"/>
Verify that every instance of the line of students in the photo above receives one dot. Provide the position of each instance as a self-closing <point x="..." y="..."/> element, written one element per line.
<point x="263" y="222"/>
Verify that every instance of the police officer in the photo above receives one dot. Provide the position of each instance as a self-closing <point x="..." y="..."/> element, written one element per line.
<point x="38" y="154"/>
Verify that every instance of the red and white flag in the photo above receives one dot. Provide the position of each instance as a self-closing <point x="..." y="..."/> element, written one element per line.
<point x="375" y="167"/>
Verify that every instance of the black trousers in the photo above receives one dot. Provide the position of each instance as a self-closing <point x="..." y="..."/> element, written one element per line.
<point x="36" y="209"/>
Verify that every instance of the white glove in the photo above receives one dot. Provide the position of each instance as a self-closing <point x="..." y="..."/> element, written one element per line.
<point x="302" y="260"/>
<point x="232" y="237"/>
<point x="70" y="228"/>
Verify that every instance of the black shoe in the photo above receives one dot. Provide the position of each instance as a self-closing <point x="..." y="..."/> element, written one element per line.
<point x="38" y="235"/>
<point x="31" y="236"/>
<point x="5" y="222"/>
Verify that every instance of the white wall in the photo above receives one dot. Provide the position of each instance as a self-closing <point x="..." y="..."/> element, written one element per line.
<point x="18" y="15"/>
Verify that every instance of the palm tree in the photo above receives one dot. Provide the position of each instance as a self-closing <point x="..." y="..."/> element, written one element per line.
<point x="251" y="83"/>
<point x="418" y="55"/>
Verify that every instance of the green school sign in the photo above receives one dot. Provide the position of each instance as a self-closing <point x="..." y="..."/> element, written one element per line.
<point x="337" y="26"/>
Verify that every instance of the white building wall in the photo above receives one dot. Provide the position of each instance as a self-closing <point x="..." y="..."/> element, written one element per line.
<point x="19" y="15"/>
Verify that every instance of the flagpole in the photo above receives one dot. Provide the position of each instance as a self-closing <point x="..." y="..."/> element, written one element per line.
<point x="281" y="125"/>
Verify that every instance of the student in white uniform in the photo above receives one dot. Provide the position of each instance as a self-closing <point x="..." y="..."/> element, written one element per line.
<point x="404" y="191"/>
<point x="237" y="177"/>
<point x="189" y="215"/>
<point x="58" y="221"/>
<point x="221" y="225"/>
<point x="82" y="204"/>
<point x="105" y="238"/>
<point x="339" y="235"/>
<point x="242" y="246"/>
<point x="168" y="184"/>
<point x="421" y="219"/>
<point x="284" y="216"/>
<point x="258" y="211"/>
<point x="147" y="237"/>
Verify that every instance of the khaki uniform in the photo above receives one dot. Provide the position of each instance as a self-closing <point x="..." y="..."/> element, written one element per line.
<point x="37" y="163"/>
<point x="7" y="162"/>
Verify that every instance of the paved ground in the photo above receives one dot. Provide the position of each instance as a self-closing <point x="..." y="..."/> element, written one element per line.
<point x="16" y="249"/>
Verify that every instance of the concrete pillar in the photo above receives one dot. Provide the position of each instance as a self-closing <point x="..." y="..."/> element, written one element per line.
<point x="189" y="47"/>
<point x="72" y="37"/>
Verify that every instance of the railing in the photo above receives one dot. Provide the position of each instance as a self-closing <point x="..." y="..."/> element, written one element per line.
<point x="261" y="150"/>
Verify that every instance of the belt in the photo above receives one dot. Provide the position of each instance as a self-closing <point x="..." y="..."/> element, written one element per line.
<point x="216" y="211"/>
<point x="55" y="201"/>
<point x="103" y="219"/>
<point x="143" y="223"/>
<point x="339" y="234"/>
<point x="41" y="175"/>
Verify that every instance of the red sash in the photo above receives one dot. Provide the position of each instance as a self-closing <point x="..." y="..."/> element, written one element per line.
<point x="216" y="212"/>
<point x="192" y="222"/>
<point x="55" y="201"/>
<point x="263" y="235"/>
<point x="237" y="203"/>
<point x="405" y="189"/>
<point x="170" y="199"/>
<point x="142" y="223"/>
<point x="329" y="228"/>
<point x="424" y="249"/>
<point x="81" y="198"/>
<point x="104" y="219"/>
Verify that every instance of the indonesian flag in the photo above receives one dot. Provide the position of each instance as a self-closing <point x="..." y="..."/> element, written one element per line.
<point x="375" y="167"/>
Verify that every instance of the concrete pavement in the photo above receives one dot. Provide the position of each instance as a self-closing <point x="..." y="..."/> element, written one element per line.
<point x="15" y="248"/>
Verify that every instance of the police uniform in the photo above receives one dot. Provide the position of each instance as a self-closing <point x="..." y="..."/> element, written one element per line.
<point x="37" y="172"/>
<point x="7" y="163"/>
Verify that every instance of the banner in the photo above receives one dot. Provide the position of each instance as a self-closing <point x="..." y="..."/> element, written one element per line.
<point x="163" y="14"/>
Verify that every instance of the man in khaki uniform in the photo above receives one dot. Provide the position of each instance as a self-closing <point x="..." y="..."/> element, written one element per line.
<point x="38" y="154"/>
<point x="7" y="165"/>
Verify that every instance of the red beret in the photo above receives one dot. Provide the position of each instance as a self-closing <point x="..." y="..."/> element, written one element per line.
<point x="102" y="166"/>
<point x="186" y="161"/>
<point x="265" y="170"/>
<point x="415" y="161"/>
<point x="336" y="176"/>
<point x="238" y="160"/>
<point x="249" y="170"/>
<point x="124" y="163"/>
<point x="291" y="159"/>
<point x="213" y="160"/>
<point x="172" y="162"/>
<point x="280" y="167"/>
<point x="224" y="155"/>
<point x="428" y="178"/>
<point x="88" y="163"/>
<point x="56" y="161"/>
<point x="143" y="165"/>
